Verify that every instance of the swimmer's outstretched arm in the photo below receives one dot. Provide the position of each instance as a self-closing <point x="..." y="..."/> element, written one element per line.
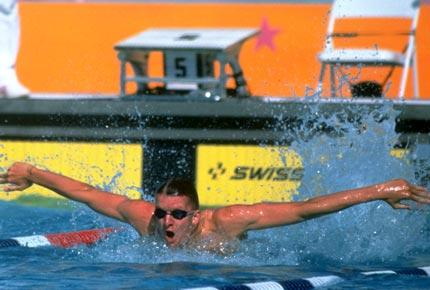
<point x="234" y="220"/>
<point x="22" y="175"/>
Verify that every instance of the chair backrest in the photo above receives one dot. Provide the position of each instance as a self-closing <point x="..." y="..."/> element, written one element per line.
<point x="342" y="9"/>
<point x="375" y="8"/>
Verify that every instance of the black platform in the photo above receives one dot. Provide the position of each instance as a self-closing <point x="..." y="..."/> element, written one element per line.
<point x="171" y="127"/>
<point x="178" y="118"/>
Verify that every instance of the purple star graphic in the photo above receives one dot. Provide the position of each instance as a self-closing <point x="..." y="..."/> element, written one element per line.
<point x="267" y="33"/>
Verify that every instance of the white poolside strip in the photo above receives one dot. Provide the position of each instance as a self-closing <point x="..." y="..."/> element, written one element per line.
<point x="426" y="269"/>
<point x="70" y="96"/>
<point x="201" y="288"/>
<point x="265" y="286"/>
<point x="378" y="272"/>
<point x="33" y="241"/>
<point x="322" y="281"/>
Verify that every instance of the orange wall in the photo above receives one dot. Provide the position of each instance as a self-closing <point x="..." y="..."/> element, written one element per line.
<point x="68" y="47"/>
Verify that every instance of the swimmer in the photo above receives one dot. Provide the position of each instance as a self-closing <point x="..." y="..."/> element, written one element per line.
<point x="176" y="218"/>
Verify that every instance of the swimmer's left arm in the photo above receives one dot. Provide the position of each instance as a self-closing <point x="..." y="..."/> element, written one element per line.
<point x="238" y="219"/>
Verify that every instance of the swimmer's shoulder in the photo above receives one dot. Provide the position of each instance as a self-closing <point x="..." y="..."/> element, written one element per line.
<point x="221" y="221"/>
<point x="134" y="207"/>
<point x="215" y="225"/>
<point x="215" y="216"/>
<point x="233" y="220"/>
<point x="138" y="213"/>
<point x="207" y="223"/>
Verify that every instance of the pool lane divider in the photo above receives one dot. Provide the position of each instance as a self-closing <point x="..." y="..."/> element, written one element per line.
<point x="61" y="240"/>
<point x="313" y="282"/>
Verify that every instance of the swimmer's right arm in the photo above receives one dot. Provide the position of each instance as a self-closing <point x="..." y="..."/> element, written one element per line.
<point x="22" y="175"/>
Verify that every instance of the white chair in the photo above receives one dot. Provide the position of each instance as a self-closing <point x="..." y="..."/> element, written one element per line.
<point x="360" y="10"/>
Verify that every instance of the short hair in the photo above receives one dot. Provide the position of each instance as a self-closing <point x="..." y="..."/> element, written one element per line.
<point x="179" y="186"/>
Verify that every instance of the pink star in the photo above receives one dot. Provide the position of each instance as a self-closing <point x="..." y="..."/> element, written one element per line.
<point x="267" y="33"/>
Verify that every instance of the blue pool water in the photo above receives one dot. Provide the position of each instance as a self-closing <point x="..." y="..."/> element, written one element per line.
<point x="366" y="237"/>
<point x="123" y="261"/>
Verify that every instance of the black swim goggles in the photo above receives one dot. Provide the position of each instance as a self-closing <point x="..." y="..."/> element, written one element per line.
<point x="176" y="214"/>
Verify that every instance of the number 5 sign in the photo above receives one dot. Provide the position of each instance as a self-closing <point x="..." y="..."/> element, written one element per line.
<point x="180" y="64"/>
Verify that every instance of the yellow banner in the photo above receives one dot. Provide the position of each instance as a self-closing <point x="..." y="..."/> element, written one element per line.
<point x="112" y="167"/>
<point x="231" y="174"/>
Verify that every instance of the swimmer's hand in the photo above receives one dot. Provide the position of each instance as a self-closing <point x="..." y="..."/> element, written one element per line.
<point x="397" y="190"/>
<point x="17" y="177"/>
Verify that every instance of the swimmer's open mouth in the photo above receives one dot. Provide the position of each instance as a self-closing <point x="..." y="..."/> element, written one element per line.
<point x="170" y="234"/>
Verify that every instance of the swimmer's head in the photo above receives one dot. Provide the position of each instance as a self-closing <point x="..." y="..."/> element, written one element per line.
<point x="176" y="211"/>
<point x="178" y="187"/>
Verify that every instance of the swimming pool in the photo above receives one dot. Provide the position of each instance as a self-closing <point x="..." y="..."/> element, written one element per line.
<point x="318" y="248"/>
<point x="363" y="238"/>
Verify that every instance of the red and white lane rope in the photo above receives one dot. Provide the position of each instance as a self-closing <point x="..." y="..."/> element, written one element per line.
<point x="62" y="240"/>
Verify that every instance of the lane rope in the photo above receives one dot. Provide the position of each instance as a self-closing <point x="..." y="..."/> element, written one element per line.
<point x="92" y="236"/>
<point x="61" y="240"/>
<point x="313" y="282"/>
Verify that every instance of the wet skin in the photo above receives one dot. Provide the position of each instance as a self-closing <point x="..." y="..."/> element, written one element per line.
<point x="211" y="228"/>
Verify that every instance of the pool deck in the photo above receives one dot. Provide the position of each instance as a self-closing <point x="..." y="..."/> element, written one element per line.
<point x="137" y="118"/>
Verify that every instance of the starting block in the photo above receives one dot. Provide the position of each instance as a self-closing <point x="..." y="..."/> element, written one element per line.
<point x="195" y="62"/>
